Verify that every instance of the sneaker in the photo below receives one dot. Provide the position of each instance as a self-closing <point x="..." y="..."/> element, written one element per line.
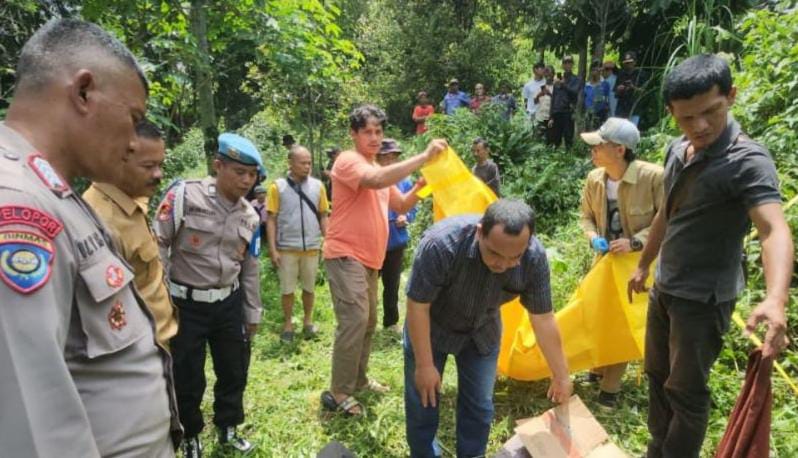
<point x="191" y="447"/>
<point x="608" y="401"/>
<point x="228" y="437"/>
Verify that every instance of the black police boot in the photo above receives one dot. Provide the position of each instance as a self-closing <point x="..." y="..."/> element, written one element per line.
<point x="228" y="437"/>
<point x="191" y="447"/>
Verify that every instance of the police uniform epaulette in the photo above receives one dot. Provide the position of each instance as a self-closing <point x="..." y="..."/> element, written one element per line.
<point x="196" y="182"/>
<point x="11" y="164"/>
<point x="250" y="208"/>
<point x="14" y="165"/>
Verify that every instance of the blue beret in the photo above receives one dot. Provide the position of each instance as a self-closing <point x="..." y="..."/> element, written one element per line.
<point x="240" y="150"/>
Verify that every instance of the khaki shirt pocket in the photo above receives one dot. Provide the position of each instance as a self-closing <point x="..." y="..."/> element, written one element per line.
<point x="199" y="235"/>
<point x="109" y="312"/>
<point x="148" y="251"/>
<point x="640" y="218"/>
<point x="147" y="254"/>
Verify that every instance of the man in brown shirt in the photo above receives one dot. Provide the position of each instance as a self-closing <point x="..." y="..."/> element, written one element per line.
<point x="122" y="206"/>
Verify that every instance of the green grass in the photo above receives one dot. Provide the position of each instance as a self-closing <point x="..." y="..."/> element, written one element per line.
<point x="284" y="418"/>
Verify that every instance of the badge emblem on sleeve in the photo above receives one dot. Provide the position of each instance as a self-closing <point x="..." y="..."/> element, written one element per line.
<point x="114" y="276"/>
<point x="116" y="317"/>
<point x="25" y="260"/>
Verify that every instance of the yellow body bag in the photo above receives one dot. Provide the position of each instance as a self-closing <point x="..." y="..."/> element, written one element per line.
<point x="598" y="326"/>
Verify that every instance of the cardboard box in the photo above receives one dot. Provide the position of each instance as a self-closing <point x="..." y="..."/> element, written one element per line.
<point x="566" y="431"/>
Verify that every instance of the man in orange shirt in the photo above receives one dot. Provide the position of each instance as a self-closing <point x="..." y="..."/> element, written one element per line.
<point x="355" y="245"/>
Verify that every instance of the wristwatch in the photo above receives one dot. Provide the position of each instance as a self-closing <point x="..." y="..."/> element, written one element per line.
<point x="636" y="245"/>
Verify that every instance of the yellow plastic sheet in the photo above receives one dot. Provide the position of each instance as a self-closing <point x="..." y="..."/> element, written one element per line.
<point x="598" y="326"/>
<point x="455" y="191"/>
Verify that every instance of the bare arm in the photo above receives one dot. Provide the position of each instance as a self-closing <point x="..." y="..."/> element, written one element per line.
<point x="323" y="223"/>
<point x="403" y="203"/>
<point x="548" y="336"/>
<point x="777" y="262"/>
<point x="427" y="377"/>
<point x="271" y="234"/>
<point x="637" y="284"/>
<point x="382" y="177"/>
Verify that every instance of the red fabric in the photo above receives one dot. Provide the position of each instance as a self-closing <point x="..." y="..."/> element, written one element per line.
<point x="422" y="110"/>
<point x="478" y="101"/>
<point x="748" y="431"/>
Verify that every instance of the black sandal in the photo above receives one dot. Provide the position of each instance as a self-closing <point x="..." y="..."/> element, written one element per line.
<point x="345" y="406"/>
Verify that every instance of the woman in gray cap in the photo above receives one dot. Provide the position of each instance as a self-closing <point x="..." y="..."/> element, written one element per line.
<point x="619" y="201"/>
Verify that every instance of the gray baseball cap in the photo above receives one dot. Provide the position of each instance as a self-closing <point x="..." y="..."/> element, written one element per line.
<point x="616" y="130"/>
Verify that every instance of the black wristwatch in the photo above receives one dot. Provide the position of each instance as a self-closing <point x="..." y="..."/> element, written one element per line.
<point x="636" y="245"/>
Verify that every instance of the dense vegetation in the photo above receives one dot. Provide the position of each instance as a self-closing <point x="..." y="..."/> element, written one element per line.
<point x="267" y="68"/>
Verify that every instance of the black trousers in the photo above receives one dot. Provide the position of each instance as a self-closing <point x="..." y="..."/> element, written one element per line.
<point x="562" y="129"/>
<point x="391" y="276"/>
<point x="221" y="326"/>
<point x="683" y="340"/>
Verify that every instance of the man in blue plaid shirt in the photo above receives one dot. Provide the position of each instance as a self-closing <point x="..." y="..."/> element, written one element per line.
<point x="465" y="269"/>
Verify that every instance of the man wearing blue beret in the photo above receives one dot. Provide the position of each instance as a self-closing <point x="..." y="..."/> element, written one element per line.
<point x="209" y="241"/>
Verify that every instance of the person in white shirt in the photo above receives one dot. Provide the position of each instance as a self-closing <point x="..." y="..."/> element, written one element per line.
<point x="542" y="116"/>
<point x="608" y="72"/>
<point x="532" y="88"/>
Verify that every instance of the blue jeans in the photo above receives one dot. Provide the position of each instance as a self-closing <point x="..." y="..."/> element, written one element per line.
<point x="476" y="375"/>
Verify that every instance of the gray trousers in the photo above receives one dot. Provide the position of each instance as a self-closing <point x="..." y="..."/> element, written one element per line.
<point x="683" y="340"/>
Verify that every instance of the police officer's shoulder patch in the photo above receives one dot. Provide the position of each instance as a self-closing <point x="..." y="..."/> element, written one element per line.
<point x="47" y="174"/>
<point x="167" y="206"/>
<point x="26" y="260"/>
<point x="28" y="216"/>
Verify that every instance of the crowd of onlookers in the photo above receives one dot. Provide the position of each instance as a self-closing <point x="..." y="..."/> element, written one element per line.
<point x="550" y="98"/>
<point x="550" y="101"/>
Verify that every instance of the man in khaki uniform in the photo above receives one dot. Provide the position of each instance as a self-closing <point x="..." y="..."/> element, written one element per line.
<point x="209" y="234"/>
<point x="81" y="373"/>
<point x="123" y="208"/>
<point x="619" y="201"/>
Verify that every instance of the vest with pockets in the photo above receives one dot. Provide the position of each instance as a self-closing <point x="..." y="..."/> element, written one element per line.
<point x="297" y="224"/>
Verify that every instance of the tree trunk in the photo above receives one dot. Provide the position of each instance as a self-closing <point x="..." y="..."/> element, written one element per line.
<point x="598" y="46"/>
<point x="203" y="81"/>
<point x="579" y="120"/>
